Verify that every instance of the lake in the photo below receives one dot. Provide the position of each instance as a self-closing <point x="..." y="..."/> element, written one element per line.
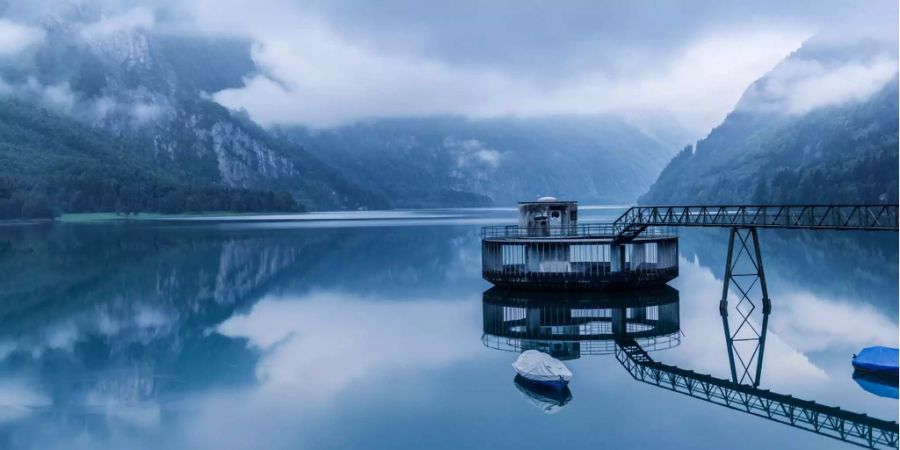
<point x="371" y="330"/>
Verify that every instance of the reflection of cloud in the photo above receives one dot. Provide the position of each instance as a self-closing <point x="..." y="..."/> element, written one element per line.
<point x="139" y="414"/>
<point x="317" y="346"/>
<point x="813" y="324"/>
<point x="17" y="400"/>
<point x="134" y="323"/>
<point x="703" y="348"/>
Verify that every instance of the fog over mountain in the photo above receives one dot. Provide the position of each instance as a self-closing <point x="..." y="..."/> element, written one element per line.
<point x="821" y="127"/>
<point x="282" y="105"/>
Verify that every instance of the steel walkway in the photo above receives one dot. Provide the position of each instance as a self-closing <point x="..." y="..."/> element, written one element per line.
<point x="814" y="217"/>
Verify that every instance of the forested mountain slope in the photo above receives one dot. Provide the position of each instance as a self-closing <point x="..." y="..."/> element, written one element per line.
<point x="775" y="148"/>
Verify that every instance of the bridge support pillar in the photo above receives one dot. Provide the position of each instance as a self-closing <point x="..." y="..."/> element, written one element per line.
<point x="744" y="272"/>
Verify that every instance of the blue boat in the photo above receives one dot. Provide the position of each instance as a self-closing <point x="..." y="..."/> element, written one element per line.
<point x="877" y="359"/>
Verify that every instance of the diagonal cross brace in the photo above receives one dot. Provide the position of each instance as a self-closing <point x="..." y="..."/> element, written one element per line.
<point x="747" y="245"/>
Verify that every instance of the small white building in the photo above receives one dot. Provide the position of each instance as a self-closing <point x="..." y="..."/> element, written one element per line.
<point x="548" y="216"/>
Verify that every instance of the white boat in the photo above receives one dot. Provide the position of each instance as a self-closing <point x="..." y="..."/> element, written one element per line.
<point x="541" y="368"/>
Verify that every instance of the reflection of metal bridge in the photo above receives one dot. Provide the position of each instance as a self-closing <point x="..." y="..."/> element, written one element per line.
<point x="834" y="422"/>
<point x="744" y="265"/>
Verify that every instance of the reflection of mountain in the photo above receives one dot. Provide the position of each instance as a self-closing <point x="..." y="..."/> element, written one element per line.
<point x="399" y="262"/>
<point x="569" y="324"/>
<point x="858" y="266"/>
<point x="123" y="312"/>
<point x="118" y="315"/>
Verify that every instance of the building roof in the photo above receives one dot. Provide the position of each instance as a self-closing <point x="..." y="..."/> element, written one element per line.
<point x="542" y="201"/>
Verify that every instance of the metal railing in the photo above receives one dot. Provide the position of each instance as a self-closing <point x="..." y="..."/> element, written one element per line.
<point x="659" y="221"/>
<point x="817" y="217"/>
<point x="590" y="230"/>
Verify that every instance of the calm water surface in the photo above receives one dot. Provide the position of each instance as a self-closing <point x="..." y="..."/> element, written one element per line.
<point x="359" y="331"/>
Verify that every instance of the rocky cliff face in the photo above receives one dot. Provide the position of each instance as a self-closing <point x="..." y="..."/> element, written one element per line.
<point x="151" y="89"/>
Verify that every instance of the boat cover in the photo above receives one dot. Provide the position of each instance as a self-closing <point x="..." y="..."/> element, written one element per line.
<point x="539" y="366"/>
<point x="877" y="359"/>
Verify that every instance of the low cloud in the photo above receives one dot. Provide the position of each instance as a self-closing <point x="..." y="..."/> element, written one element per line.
<point x="471" y="152"/>
<point x="15" y="37"/>
<point x="317" y="78"/>
<point x="801" y="85"/>
<point x="325" y="64"/>
<point x="54" y="96"/>
<point x="136" y="18"/>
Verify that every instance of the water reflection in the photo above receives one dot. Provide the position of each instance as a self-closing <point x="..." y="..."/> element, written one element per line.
<point x="567" y="325"/>
<point x="258" y="336"/>
<point x="877" y="384"/>
<point x="548" y="400"/>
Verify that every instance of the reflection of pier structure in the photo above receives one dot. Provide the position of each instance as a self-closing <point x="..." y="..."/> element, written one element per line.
<point x="830" y="421"/>
<point x="569" y="324"/>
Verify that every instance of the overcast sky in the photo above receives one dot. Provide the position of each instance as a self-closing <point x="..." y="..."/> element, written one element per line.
<point x="327" y="63"/>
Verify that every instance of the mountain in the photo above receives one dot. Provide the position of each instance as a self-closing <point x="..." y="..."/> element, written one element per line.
<point x="148" y="91"/>
<point x="144" y="97"/>
<point x="51" y="163"/>
<point x="821" y="127"/>
<point x="452" y="161"/>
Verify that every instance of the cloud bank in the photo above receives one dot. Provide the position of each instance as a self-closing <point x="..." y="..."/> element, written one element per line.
<point x="15" y="37"/>
<point x="132" y="19"/>
<point x="803" y="85"/>
<point x="328" y="63"/>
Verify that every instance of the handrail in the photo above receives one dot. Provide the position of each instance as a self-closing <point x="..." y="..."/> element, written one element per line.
<point x="591" y="230"/>
<point x="835" y="217"/>
<point x="641" y="220"/>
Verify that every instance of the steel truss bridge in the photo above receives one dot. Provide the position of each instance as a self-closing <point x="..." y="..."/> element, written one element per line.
<point x="744" y="272"/>
<point x="834" y="422"/>
<point x="811" y="217"/>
